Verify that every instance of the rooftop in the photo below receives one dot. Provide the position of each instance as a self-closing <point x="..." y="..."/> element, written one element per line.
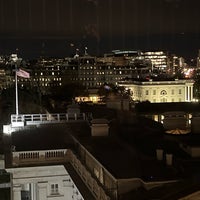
<point x="116" y="155"/>
<point x="147" y="107"/>
<point x="128" y="151"/>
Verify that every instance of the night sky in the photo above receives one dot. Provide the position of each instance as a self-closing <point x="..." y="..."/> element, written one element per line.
<point x="58" y="27"/>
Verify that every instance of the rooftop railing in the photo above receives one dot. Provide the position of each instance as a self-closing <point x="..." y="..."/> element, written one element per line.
<point x="33" y="119"/>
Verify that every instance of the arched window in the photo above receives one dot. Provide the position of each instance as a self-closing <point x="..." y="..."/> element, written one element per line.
<point x="163" y="92"/>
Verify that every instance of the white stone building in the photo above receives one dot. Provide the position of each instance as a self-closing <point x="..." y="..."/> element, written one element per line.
<point x="43" y="183"/>
<point x="160" y="91"/>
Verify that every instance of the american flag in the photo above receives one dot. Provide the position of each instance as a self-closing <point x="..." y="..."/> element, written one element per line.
<point x="22" y="73"/>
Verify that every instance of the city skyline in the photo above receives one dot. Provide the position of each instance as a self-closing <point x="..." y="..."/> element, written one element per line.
<point x="58" y="28"/>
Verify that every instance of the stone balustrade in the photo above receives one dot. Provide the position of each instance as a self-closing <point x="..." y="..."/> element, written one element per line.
<point x="37" y="157"/>
<point x="34" y="119"/>
<point x="60" y="156"/>
<point x="86" y="176"/>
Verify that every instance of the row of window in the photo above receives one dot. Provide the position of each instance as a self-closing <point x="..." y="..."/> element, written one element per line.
<point x="102" y="72"/>
<point x="104" y="67"/>
<point x="166" y="100"/>
<point x="46" y="73"/>
<point x="100" y="78"/>
<point x="49" y="84"/>
<point x="163" y="92"/>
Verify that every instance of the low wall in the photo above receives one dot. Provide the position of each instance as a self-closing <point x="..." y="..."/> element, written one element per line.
<point x="88" y="179"/>
<point x="25" y="158"/>
<point x="37" y="157"/>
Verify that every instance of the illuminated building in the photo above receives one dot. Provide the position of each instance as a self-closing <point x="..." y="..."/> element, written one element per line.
<point x="160" y="91"/>
<point x="93" y="72"/>
<point x="46" y="74"/>
<point x="159" y="59"/>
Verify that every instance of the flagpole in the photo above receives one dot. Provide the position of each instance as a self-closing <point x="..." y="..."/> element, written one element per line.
<point x="16" y="91"/>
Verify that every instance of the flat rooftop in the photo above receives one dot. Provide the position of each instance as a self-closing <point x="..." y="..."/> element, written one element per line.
<point x="122" y="158"/>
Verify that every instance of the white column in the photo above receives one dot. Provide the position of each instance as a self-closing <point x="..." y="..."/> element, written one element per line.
<point x="17" y="192"/>
<point x="185" y="93"/>
<point x="33" y="191"/>
<point x="188" y="93"/>
<point x="191" y="89"/>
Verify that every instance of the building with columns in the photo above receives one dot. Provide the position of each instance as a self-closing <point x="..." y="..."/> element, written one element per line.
<point x="157" y="91"/>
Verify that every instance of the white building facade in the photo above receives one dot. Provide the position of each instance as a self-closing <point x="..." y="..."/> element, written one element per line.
<point x="43" y="183"/>
<point x="160" y="91"/>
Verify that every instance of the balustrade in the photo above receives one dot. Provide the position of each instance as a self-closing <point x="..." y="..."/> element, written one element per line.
<point x="46" y="118"/>
<point x="22" y="158"/>
<point x="61" y="155"/>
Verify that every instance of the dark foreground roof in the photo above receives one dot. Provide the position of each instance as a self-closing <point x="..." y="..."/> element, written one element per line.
<point x="171" y="191"/>
<point x="121" y="159"/>
<point x="118" y="157"/>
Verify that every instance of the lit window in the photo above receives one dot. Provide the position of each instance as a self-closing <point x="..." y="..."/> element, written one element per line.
<point x="54" y="188"/>
<point x="41" y="73"/>
<point x="52" y="73"/>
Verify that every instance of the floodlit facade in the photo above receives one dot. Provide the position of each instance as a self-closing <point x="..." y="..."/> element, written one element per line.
<point x="160" y="91"/>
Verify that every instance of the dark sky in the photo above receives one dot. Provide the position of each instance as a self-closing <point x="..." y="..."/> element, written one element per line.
<point x="58" y="27"/>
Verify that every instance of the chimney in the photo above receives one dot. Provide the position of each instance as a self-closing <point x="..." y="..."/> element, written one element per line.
<point x="99" y="127"/>
<point x="159" y="154"/>
<point x="169" y="159"/>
